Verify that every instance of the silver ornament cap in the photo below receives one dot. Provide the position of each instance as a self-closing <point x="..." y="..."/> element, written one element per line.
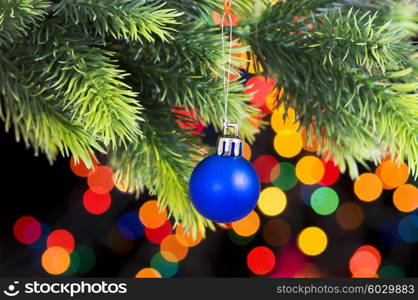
<point x="229" y="144"/>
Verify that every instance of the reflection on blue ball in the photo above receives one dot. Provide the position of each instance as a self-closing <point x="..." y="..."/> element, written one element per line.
<point x="224" y="189"/>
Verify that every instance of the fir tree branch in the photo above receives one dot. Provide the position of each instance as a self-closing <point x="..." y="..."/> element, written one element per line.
<point x="338" y="82"/>
<point x="31" y="110"/>
<point x="196" y="56"/>
<point x="17" y="17"/>
<point x="131" y="20"/>
<point x="162" y="163"/>
<point x="91" y="87"/>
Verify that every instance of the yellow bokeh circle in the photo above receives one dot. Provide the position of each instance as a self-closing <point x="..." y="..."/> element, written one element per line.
<point x="312" y="241"/>
<point x="310" y="169"/>
<point x="278" y="122"/>
<point x="272" y="201"/>
<point x="288" y="143"/>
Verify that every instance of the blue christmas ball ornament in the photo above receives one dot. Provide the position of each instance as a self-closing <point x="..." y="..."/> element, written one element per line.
<point x="225" y="187"/>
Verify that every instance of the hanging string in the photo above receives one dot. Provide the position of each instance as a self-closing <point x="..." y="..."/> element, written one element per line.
<point x="226" y="71"/>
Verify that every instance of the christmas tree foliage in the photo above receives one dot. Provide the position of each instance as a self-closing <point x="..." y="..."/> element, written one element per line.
<point x="80" y="76"/>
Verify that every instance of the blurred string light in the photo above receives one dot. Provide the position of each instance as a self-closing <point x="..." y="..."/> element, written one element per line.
<point x="389" y="234"/>
<point x="55" y="260"/>
<point x="100" y="180"/>
<point x="79" y="168"/>
<point x="391" y="271"/>
<point x="260" y="87"/>
<point x="148" y="273"/>
<point x="261" y="260"/>
<point x="95" y="203"/>
<point x="393" y="174"/>
<point x="83" y="260"/>
<point x="408" y="229"/>
<point x="349" y="216"/>
<point x="152" y="215"/>
<point x="368" y="187"/>
<point x="27" y="230"/>
<point x="157" y="235"/>
<point x="306" y="192"/>
<point x="310" y="169"/>
<point x="331" y="174"/>
<point x="40" y="244"/>
<point x="186" y="238"/>
<point x="240" y="240"/>
<point x="246" y="151"/>
<point x="276" y="232"/>
<point x="288" y="143"/>
<point x="324" y="201"/>
<point x="312" y="241"/>
<point x="365" y="262"/>
<point x="264" y="165"/>
<point x="286" y="177"/>
<point x="172" y="250"/>
<point x="118" y="243"/>
<point x="405" y="198"/>
<point x="313" y="145"/>
<point x="166" y="268"/>
<point x="247" y="226"/>
<point x="61" y="238"/>
<point x="129" y="225"/>
<point x="272" y="201"/>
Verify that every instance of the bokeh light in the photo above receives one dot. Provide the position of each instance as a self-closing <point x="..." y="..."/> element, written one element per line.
<point x="286" y="178"/>
<point x="157" y="235"/>
<point x="405" y="198"/>
<point x="394" y="174"/>
<point x="148" y="273"/>
<point x="79" y="168"/>
<point x="248" y="225"/>
<point x="389" y="233"/>
<point x="85" y="257"/>
<point x="152" y="215"/>
<point x="260" y="87"/>
<point x="166" y="268"/>
<point x="324" y="201"/>
<point x="264" y="165"/>
<point x="186" y="237"/>
<point x="188" y="120"/>
<point x="261" y="260"/>
<point x="365" y="262"/>
<point x="279" y="122"/>
<point x="310" y="169"/>
<point x="332" y="173"/>
<point x="55" y="260"/>
<point x="276" y="232"/>
<point x="130" y="226"/>
<point x="172" y="250"/>
<point x="118" y="243"/>
<point x="308" y="270"/>
<point x="313" y="145"/>
<point x="101" y="180"/>
<point x="61" y="238"/>
<point x="27" y="230"/>
<point x="350" y="216"/>
<point x="271" y="99"/>
<point x="368" y="187"/>
<point x="96" y="203"/>
<point x="306" y="192"/>
<point x="408" y="229"/>
<point x="41" y="242"/>
<point x="240" y="240"/>
<point x="246" y="151"/>
<point x="272" y="201"/>
<point x="312" y="241"/>
<point x="288" y="143"/>
<point x="391" y="271"/>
